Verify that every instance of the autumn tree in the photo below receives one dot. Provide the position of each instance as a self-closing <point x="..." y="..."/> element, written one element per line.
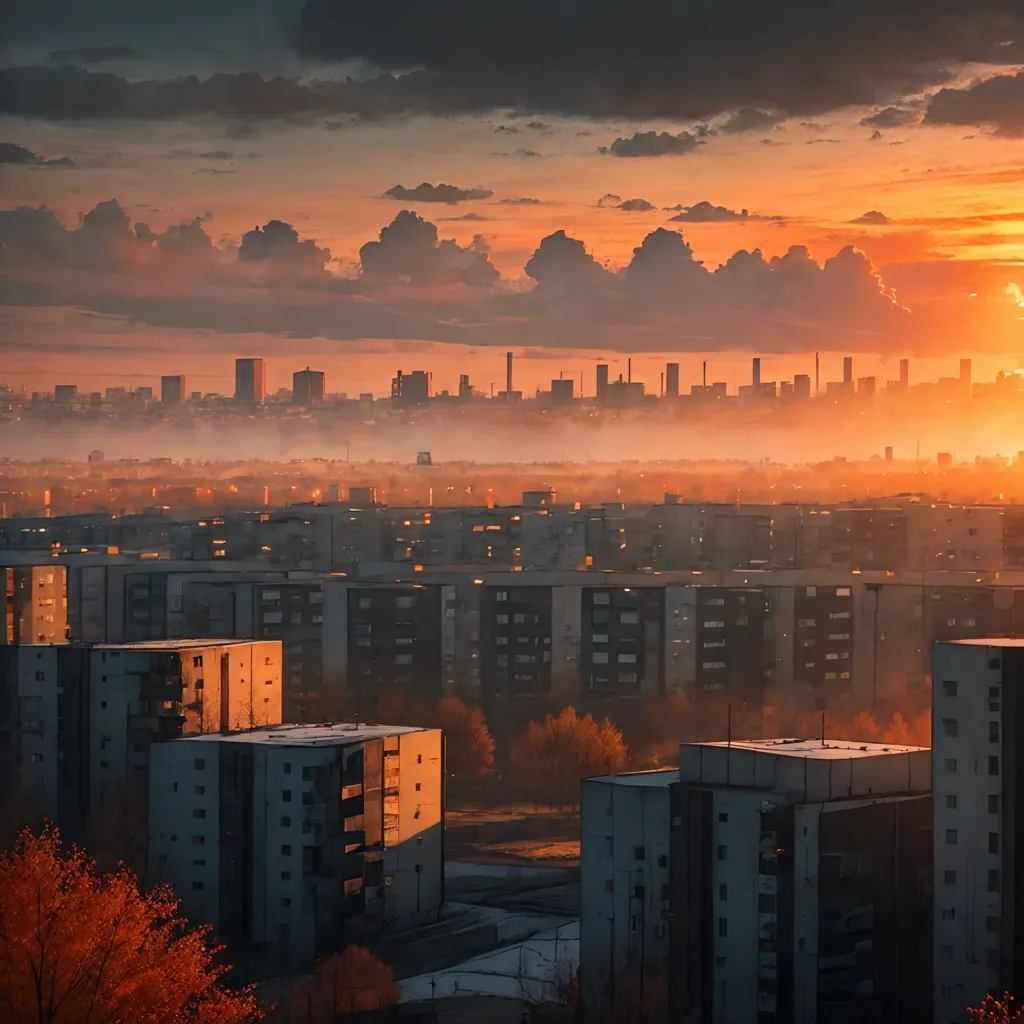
<point x="555" y="754"/>
<point x="995" y="1011"/>
<point x="350" y="982"/>
<point x="77" y="947"/>
<point x="469" y="747"/>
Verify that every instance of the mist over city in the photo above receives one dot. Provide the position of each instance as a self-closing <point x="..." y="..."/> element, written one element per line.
<point x="511" y="513"/>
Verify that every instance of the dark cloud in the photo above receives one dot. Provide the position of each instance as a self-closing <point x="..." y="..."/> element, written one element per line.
<point x="750" y="120"/>
<point x="614" y="202"/>
<point x="522" y="153"/>
<point x="653" y="144"/>
<point x="645" y="59"/>
<point x="891" y="117"/>
<point x="996" y="103"/>
<point x="522" y="201"/>
<point x="561" y="263"/>
<point x="96" y="54"/>
<point x="707" y="213"/>
<point x="465" y="216"/>
<point x="427" y="193"/>
<point x="217" y="154"/>
<point x="875" y="135"/>
<point x="11" y="153"/>
<point x="871" y="217"/>
<point x="280" y="242"/>
<point x="408" y="251"/>
<point x="214" y="171"/>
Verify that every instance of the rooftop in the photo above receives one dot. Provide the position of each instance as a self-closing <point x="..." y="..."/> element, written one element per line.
<point x="829" y="750"/>
<point x="657" y="777"/>
<point x="998" y="641"/>
<point x="173" y="645"/>
<point x="327" y="734"/>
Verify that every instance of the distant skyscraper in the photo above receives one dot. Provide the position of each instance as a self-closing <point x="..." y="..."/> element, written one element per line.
<point x="671" y="380"/>
<point x="802" y="386"/>
<point x="172" y="390"/>
<point x="250" y="381"/>
<point x="602" y="382"/>
<point x="308" y="387"/>
<point x="904" y="373"/>
<point x="755" y="373"/>
<point x="848" y="370"/>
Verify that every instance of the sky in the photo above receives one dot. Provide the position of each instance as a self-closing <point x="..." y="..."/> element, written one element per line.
<point x="362" y="187"/>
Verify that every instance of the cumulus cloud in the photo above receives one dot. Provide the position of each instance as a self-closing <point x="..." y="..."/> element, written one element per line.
<point x="11" y="153"/>
<point x="750" y="120"/>
<point x="279" y="242"/>
<point x="653" y="144"/>
<point x="408" y="250"/>
<point x="871" y="217"/>
<point x="996" y="103"/>
<point x="427" y="193"/>
<point x="707" y="213"/>
<point x="466" y="216"/>
<point x="613" y="202"/>
<point x="890" y="117"/>
<point x="561" y="263"/>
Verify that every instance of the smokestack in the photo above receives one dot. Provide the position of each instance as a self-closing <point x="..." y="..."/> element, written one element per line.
<point x="847" y="369"/>
<point x="662" y="383"/>
<point x="904" y="373"/>
<point x="508" y="372"/>
<point x="817" y="375"/>
<point x="629" y="371"/>
<point x="705" y="373"/>
<point x="756" y="375"/>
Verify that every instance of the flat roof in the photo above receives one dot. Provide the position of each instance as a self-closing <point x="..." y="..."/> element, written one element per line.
<point x="998" y="641"/>
<point x="175" y="645"/>
<point x="326" y="734"/>
<point x="654" y="777"/>
<point x="813" y="747"/>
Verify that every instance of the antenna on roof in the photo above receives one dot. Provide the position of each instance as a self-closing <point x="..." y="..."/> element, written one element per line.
<point x="823" y="727"/>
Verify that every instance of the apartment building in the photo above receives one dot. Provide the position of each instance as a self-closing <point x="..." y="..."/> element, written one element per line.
<point x="33" y="604"/>
<point x="80" y="719"/>
<point x="977" y="725"/>
<point x="624" y="880"/>
<point x="800" y="883"/>
<point x="294" y="841"/>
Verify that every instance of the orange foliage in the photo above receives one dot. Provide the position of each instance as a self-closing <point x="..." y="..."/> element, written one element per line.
<point x="80" y="948"/>
<point x="554" y="755"/>
<point x="352" y="981"/>
<point x="469" y="747"/>
<point x="994" y="1011"/>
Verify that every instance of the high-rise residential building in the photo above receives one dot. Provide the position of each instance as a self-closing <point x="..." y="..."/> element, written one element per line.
<point x="802" y="386"/>
<point x="308" y="387"/>
<point x="250" y="380"/>
<point x="798" y="887"/>
<point x="977" y="731"/>
<point x="671" y="380"/>
<point x="65" y="392"/>
<point x="172" y="389"/>
<point x="410" y="388"/>
<point x="296" y="840"/>
<point x="33" y="604"/>
<point x="848" y="371"/>
<point x="602" y="383"/>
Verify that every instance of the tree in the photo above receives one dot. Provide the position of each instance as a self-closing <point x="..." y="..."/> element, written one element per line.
<point x="469" y="747"/>
<point x="994" y="1011"/>
<point x="555" y="754"/>
<point x="80" y="948"/>
<point x="350" y="982"/>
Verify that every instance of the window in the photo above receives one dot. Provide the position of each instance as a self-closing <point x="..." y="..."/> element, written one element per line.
<point x="722" y="852"/>
<point x="950" y="764"/>
<point x="950" y="727"/>
<point x="609" y="885"/>
<point x="948" y="914"/>
<point x="198" y="885"/>
<point x="639" y="853"/>
<point x="286" y="876"/>
<point x="663" y="861"/>
<point x="723" y="892"/>
<point x="992" y="924"/>
<point x="993" y="804"/>
<point x="951" y="803"/>
<point x="627" y="659"/>
<point x="951" y="837"/>
<point x="197" y="863"/>
<point x="40" y="676"/>
<point x="723" y="927"/>
<point x="993" y="842"/>
<point x="199" y="764"/>
<point x="766" y="903"/>
<point x="601" y="597"/>
<point x="419" y="759"/>
<point x="419" y="786"/>
<point x="307" y="798"/>
<point x="946" y="953"/>
<point x="198" y="812"/>
<point x="993" y="732"/>
<point x="723" y="816"/>
<point x="286" y="850"/>
<point x="949" y="877"/>
<point x="286" y="901"/>
<point x="196" y="840"/>
<point x="286" y="796"/>
<point x="993" y="764"/>
<point x="307" y="773"/>
<point x="286" y="821"/>
<point x="403" y="659"/>
<point x="993" y="881"/>
<point x="600" y="657"/>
